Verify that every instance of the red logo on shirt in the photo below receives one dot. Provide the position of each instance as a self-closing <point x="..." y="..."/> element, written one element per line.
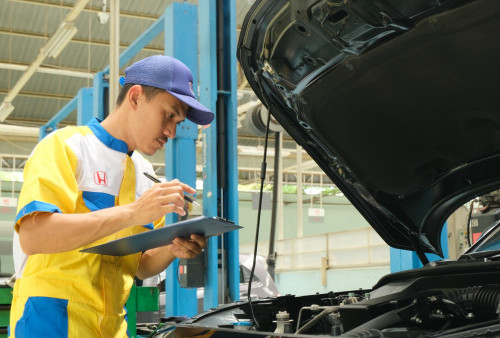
<point x="100" y="178"/>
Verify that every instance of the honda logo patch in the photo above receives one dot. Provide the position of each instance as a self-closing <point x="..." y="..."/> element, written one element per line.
<point x="100" y="178"/>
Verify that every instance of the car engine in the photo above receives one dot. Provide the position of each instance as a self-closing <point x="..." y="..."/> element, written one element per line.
<point x="443" y="299"/>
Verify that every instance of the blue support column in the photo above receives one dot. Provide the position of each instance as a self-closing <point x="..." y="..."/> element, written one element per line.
<point x="181" y="42"/>
<point x="406" y="260"/>
<point x="84" y="112"/>
<point x="98" y="103"/>
<point x="208" y="97"/>
<point x="232" y="238"/>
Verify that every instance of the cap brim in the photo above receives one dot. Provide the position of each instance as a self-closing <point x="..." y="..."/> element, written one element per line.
<point x="197" y="113"/>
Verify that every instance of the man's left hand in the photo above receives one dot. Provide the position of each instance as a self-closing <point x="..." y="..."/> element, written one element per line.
<point x="187" y="248"/>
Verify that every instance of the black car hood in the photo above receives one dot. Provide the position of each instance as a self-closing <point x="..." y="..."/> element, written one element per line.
<point x="397" y="101"/>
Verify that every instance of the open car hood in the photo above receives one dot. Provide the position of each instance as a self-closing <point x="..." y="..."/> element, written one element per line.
<point x="397" y="101"/>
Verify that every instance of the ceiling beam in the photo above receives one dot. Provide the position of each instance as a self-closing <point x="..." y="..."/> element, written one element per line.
<point x="103" y="43"/>
<point x="305" y="165"/>
<point x="19" y="131"/>
<point x="90" y="8"/>
<point x="40" y="95"/>
<point x="48" y="70"/>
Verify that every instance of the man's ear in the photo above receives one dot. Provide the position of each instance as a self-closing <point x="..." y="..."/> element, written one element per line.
<point x="133" y="95"/>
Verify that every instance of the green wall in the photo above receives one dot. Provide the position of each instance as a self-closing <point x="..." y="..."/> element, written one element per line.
<point x="340" y="215"/>
<point x="301" y="283"/>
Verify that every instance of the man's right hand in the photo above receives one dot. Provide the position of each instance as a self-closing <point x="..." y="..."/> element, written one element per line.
<point x="161" y="199"/>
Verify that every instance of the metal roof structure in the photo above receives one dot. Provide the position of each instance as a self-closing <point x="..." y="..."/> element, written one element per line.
<point x="27" y="25"/>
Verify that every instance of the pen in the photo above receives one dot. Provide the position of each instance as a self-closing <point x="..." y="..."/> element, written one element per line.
<point x="189" y="198"/>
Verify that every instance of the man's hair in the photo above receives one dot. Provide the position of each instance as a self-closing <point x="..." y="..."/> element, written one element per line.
<point x="149" y="92"/>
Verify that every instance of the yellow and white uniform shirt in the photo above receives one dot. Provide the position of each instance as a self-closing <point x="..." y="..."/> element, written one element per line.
<point x="73" y="294"/>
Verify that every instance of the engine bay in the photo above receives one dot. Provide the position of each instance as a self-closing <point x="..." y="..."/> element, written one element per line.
<point x="440" y="300"/>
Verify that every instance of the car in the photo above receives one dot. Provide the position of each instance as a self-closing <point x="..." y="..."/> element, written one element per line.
<point x="398" y="103"/>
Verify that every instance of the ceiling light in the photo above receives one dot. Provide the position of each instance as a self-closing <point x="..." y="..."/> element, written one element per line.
<point x="59" y="40"/>
<point x="103" y="17"/>
<point x="5" y="109"/>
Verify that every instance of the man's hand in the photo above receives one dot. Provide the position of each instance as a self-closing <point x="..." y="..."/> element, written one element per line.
<point x="156" y="260"/>
<point x="187" y="248"/>
<point x="161" y="199"/>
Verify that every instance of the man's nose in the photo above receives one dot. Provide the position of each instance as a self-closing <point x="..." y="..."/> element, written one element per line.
<point x="169" y="131"/>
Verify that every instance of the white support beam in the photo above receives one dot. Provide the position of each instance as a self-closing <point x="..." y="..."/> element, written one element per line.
<point x="300" y="226"/>
<point x="86" y="42"/>
<point x="279" y="209"/>
<point x="48" y="70"/>
<point x="305" y="165"/>
<point x="20" y="131"/>
<point x="114" y="52"/>
<point x="89" y="9"/>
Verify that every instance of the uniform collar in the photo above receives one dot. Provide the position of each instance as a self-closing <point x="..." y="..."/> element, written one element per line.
<point x="105" y="137"/>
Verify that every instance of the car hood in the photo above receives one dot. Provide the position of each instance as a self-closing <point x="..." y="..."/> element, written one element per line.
<point x="397" y="101"/>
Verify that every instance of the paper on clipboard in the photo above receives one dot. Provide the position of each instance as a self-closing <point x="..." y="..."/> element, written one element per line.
<point x="205" y="226"/>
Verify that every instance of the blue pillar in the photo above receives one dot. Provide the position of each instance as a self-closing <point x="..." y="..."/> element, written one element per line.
<point x="232" y="238"/>
<point x="208" y="97"/>
<point x="181" y="42"/>
<point x="84" y="112"/>
<point x="99" y="85"/>
<point x="406" y="260"/>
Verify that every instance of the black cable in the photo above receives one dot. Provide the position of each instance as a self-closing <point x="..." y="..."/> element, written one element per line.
<point x="262" y="178"/>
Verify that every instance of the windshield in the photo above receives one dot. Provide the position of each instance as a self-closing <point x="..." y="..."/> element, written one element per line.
<point x="489" y="241"/>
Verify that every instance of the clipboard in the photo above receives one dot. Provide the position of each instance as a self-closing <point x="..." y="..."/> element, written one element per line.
<point x="205" y="226"/>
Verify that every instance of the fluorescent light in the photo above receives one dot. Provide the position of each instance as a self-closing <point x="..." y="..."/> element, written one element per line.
<point x="59" y="40"/>
<point x="5" y="109"/>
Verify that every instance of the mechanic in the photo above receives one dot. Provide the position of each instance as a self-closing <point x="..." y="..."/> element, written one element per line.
<point x="84" y="186"/>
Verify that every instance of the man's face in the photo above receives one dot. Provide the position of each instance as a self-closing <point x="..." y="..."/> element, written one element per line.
<point x="157" y="120"/>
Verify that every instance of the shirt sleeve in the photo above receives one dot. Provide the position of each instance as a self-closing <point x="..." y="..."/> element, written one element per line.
<point x="49" y="179"/>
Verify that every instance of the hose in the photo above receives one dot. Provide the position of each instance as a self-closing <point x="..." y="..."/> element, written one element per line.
<point x="481" y="300"/>
<point x="320" y="315"/>
<point x="487" y="300"/>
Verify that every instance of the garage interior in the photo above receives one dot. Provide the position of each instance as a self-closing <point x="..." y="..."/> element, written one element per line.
<point x="52" y="49"/>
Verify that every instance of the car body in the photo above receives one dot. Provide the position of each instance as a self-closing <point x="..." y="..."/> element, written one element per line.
<point x="398" y="102"/>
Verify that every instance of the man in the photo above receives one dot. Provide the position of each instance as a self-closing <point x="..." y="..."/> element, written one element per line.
<point x="84" y="186"/>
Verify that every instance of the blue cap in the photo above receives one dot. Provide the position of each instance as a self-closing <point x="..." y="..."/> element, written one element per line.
<point x="172" y="75"/>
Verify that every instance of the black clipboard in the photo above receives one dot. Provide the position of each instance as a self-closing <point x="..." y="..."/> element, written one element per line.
<point x="206" y="226"/>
